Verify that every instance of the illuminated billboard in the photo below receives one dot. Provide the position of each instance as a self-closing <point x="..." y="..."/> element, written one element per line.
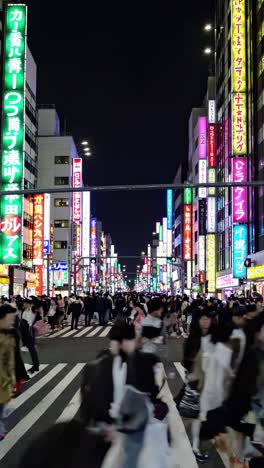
<point x="202" y="137"/>
<point x="239" y="169"/>
<point x="38" y="230"/>
<point x="77" y="183"/>
<point x="13" y="130"/>
<point x="238" y="76"/>
<point x="240" y="250"/>
<point x="187" y="195"/>
<point x="211" y="215"/>
<point x="86" y="234"/>
<point x="211" y="263"/>
<point x="187" y="232"/>
<point x="169" y="208"/>
<point x="211" y="145"/>
<point x="47" y="224"/>
<point x="202" y="178"/>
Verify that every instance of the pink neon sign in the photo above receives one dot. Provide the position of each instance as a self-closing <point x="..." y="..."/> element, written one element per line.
<point x="202" y="137"/>
<point x="239" y="169"/>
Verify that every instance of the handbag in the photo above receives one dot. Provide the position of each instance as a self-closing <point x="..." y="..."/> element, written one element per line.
<point x="134" y="411"/>
<point x="41" y="328"/>
<point x="189" y="406"/>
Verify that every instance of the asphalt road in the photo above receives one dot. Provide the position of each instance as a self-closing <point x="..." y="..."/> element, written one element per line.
<point x="53" y="393"/>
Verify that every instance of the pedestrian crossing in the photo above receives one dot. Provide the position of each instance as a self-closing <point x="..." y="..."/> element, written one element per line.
<point x="83" y="332"/>
<point x="53" y="396"/>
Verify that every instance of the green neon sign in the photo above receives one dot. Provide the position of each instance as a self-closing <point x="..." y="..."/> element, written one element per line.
<point x="13" y="129"/>
<point x="161" y="233"/>
<point x="188" y="196"/>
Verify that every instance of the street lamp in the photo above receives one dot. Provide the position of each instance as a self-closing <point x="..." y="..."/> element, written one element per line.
<point x="207" y="50"/>
<point x="208" y="27"/>
<point x="85" y="143"/>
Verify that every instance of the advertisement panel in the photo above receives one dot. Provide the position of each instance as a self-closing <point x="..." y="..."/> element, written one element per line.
<point x="211" y="263"/>
<point x="187" y="195"/>
<point x="39" y="280"/>
<point x="47" y="224"/>
<point x="169" y="208"/>
<point x="38" y="230"/>
<point x="187" y="232"/>
<point x="240" y="250"/>
<point x="93" y="249"/>
<point x="201" y="253"/>
<point x="238" y="76"/>
<point x="239" y="170"/>
<point x="13" y="130"/>
<point x="86" y="212"/>
<point x="256" y="272"/>
<point x="211" y="111"/>
<point x="211" y="215"/>
<point x="202" y="178"/>
<point x="211" y="180"/>
<point x="77" y="196"/>
<point x="211" y="146"/>
<point x="202" y="217"/>
<point x="226" y="281"/>
<point x="202" y="137"/>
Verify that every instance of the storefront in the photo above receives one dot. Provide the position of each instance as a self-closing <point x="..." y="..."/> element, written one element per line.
<point x="30" y="284"/>
<point x="19" y="281"/>
<point x="255" y="279"/>
<point x="4" y="280"/>
<point x="227" y="285"/>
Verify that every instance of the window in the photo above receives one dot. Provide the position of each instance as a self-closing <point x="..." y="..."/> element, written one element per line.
<point x="61" y="202"/>
<point x="61" y="159"/>
<point x="196" y="236"/>
<point x="196" y="168"/>
<point x="61" y="180"/>
<point x="60" y="245"/>
<point x="196" y="215"/>
<point x="61" y="223"/>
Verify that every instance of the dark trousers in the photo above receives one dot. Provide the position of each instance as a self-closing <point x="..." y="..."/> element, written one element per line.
<point x="75" y="320"/>
<point x="102" y="318"/>
<point x="88" y="317"/>
<point x="34" y="356"/>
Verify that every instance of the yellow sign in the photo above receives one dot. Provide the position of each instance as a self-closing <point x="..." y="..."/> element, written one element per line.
<point x="239" y="81"/>
<point x="4" y="280"/>
<point x="3" y="270"/>
<point x="211" y="263"/>
<point x="255" y="272"/>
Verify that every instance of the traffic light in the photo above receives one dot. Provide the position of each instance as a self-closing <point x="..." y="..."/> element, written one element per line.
<point x="248" y="262"/>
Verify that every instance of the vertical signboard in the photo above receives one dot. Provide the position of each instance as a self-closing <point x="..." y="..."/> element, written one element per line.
<point x="240" y="243"/>
<point x="238" y="76"/>
<point x="202" y="217"/>
<point x="187" y="232"/>
<point x="93" y="250"/>
<point x="39" y="280"/>
<point x="169" y="208"/>
<point x="86" y="210"/>
<point x="47" y="224"/>
<point x="38" y="230"/>
<point x="77" y="183"/>
<point x="211" y="215"/>
<point x="202" y="178"/>
<point x="187" y="195"/>
<point x="239" y="169"/>
<point x="211" y="180"/>
<point x="201" y="253"/>
<point x="13" y="130"/>
<point x="211" y="263"/>
<point x="211" y="111"/>
<point x="202" y="137"/>
<point x="211" y="145"/>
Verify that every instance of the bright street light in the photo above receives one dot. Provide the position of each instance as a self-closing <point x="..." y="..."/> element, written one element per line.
<point x="208" y="27"/>
<point x="207" y="50"/>
<point x="84" y="143"/>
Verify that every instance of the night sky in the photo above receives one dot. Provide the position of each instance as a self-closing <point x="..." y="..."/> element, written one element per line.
<point x="125" y="78"/>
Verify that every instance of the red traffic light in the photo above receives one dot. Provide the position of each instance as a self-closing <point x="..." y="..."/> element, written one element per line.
<point x="247" y="262"/>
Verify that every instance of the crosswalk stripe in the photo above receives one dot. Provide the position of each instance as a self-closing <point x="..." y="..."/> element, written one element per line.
<point x="17" y="402"/>
<point x="71" y="409"/>
<point x="105" y="332"/>
<point x="180" y="370"/>
<point x="94" y="332"/>
<point x="181" y="448"/>
<point x="41" y="368"/>
<point x="59" y="332"/>
<point x="81" y="333"/>
<point x="69" y="333"/>
<point x="32" y="417"/>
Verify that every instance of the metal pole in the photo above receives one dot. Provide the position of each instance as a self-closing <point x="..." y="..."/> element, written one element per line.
<point x="75" y="278"/>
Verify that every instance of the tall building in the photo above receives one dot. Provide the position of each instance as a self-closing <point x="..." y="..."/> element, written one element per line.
<point x="57" y="156"/>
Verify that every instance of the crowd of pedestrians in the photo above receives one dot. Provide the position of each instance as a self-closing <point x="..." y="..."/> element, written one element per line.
<point x="123" y="419"/>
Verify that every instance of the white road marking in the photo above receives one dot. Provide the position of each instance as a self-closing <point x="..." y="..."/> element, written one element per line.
<point x="59" y="332"/>
<point x="105" y="332"/>
<point x="94" y="332"/>
<point x="35" y="414"/>
<point x="180" y="370"/>
<point x="69" y="333"/>
<point x="17" y="402"/>
<point x="181" y="452"/>
<point x="81" y="333"/>
<point x="71" y="409"/>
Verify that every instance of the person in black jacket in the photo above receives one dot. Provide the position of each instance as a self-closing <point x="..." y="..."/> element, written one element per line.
<point x="76" y="308"/>
<point x="89" y="309"/>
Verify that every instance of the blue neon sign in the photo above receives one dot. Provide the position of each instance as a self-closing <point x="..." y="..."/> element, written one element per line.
<point x="169" y="208"/>
<point x="240" y="250"/>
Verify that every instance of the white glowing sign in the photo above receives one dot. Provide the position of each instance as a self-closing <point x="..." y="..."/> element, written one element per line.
<point x="86" y="231"/>
<point x="201" y="253"/>
<point x="211" y="215"/>
<point x="47" y="224"/>
<point x="202" y="177"/>
<point x="77" y="183"/>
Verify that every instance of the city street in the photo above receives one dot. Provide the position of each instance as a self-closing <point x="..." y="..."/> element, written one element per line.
<point x="52" y="394"/>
